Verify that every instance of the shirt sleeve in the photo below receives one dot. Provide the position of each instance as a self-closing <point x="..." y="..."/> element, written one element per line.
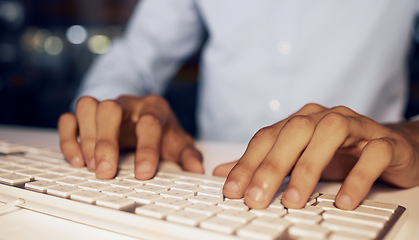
<point x="159" y="36"/>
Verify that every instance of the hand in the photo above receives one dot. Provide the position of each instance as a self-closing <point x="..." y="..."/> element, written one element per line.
<point x="317" y="142"/>
<point x="146" y="124"/>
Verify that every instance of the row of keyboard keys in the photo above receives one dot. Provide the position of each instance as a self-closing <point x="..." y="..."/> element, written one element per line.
<point x="192" y="201"/>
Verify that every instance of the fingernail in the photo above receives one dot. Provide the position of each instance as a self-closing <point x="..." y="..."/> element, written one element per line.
<point x="292" y="195"/>
<point x="77" y="161"/>
<point x="143" y="168"/>
<point x="103" y="167"/>
<point x="231" y="186"/>
<point x="255" y="193"/>
<point x="344" y="202"/>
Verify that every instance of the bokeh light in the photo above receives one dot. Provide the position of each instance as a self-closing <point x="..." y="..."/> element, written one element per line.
<point x="53" y="45"/>
<point x="76" y="34"/>
<point x="99" y="44"/>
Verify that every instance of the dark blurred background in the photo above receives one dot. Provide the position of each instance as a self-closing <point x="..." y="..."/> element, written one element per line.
<point x="46" y="46"/>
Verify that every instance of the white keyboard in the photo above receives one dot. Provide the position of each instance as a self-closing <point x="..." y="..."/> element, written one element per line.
<point x="175" y="204"/>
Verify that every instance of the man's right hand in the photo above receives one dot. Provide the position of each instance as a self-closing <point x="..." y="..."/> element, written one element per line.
<point x="146" y="124"/>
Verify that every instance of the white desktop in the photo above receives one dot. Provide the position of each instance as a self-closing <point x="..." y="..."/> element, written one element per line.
<point x="17" y="223"/>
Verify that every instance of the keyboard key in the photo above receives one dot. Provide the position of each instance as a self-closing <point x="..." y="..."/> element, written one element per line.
<point x="233" y="204"/>
<point x="189" y="181"/>
<point x="160" y="183"/>
<point x="269" y="211"/>
<point x="351" y="227"/>
<point x="236" y="215"/>
<point x="177" y="194"/>
<point x="40" y="185"/>
<point x="52" y="177"/>
<point x="81" y="175"/>
<point x="374" y="212"/>
<point x="186" y="187"/>
<point x="150" y="189"/>
<point x="308" y="230"/>
<point x="209" y="210"/>
<point x="347" y="236"/>
<point x="31" y="173"/>
<point x="60" y="171"/>
<point x="354" y="217"/>
<point x="95" y="186"/>
<point x="211" y="185"/>
<point x="11" y="168"/>
<point x="205" y="199"/>
<point x="14" y="179"/>
<point x="144" y="197"/>
<point x="63" y="191"/>
<point x="87" y="196"/>
<point x="303" y="218"/>
<point x="379" y="205"/>
<point x="186" y="217"/>
<point x="313" y="210"/>
<point x="272" y="222"/>
<point x="71" y="181"/>
<point x="221" y="225"/>
<point x="173" y="203"/>
<point x="126" y="184"/>
<point x="118" y="191"/>
<point x="115" y="202"/>
<point x="253" y="231"/>
<point x="211" y="192"/>
<point x="154" y="211"/>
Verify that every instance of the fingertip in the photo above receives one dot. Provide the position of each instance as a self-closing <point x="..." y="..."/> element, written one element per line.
<point x="76" y="162"/>
<point x="144" y="171"/>
<point x="292" y="198"/>
<point x="345" y="202"/>
<point x="105" y="170"/>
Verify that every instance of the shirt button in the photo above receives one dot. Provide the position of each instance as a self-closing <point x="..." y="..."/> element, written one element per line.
<point x="284" y="47"/>
<point x="274" y="105"/>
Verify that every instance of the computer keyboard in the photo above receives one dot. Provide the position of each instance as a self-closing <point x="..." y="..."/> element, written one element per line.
<point x="175" y="204"/>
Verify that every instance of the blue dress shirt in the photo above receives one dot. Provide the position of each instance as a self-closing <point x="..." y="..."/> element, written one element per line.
<point x="264" y="59"/>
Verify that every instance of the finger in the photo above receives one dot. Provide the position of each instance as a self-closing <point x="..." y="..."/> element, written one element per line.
<point x="86" y="118"/>
<point x="375" y="158"/>
<point x="259" y="146"/>
<point x="67" y="129"/>
<point x="239" y="177"/>
<point x="223" y="169"/>
<point x="191" y="160"/>
<point x="149" y="132"/>
<point x="108" y="122"/>
<point x="292" y="140"/>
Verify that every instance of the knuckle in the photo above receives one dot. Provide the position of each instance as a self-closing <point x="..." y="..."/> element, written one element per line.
<point x="335" y="120"/>
<point x="343" y="110"/>
<point x="157" y="100"/>
<point x="86" y="101"/>
<point x="299" y="122"/>
<point x="109" y="105"/>
<point x="148" y="119"/>
<point x="265" y="133"/>
<point x="383" y="145"/>
<point x="313" y="107"/>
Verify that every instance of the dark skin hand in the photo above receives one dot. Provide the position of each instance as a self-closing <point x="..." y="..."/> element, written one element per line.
<point x="312" y="144"/>
<point x="145" y="124"/>
<point x="323" y="143"/>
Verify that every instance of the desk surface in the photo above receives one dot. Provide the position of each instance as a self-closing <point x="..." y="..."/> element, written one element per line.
<point x="23" y="224"/>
